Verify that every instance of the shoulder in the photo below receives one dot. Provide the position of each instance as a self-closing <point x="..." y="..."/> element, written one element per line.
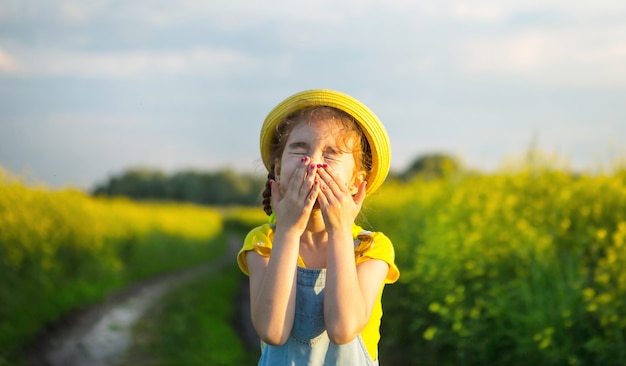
<point x="259" y="235"/>
<point x="258" y="239"/>
<point x="379" y="247"/>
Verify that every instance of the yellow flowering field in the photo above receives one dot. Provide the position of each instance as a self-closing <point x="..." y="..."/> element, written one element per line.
<point x="241" y="219"/>
<point x="63" y="249"/>
<point x="520" y="267"/>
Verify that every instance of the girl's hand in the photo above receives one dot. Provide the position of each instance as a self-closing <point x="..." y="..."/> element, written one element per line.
<point x="339" y="207"/>
<point x="293" y="206"/>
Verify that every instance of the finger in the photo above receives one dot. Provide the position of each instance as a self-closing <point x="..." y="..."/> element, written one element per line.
<point x="298" y="180"/>
<point x="309" y="179"/>
<point x="276" y="197"/>
<point x="299" y="174"/>
<point x="322" y="195"/>
<point x="333" y="180"/>
<point x="359" y="197"/>
<point x="313" y="195"/>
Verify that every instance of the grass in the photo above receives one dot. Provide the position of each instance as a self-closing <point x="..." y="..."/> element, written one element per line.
<point x="193" y="326"/>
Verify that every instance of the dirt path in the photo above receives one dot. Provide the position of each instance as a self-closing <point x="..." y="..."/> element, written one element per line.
<point x="100" y="335"/>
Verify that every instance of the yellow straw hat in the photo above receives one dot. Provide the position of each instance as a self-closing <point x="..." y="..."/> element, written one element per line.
<point x="367" y="120"/>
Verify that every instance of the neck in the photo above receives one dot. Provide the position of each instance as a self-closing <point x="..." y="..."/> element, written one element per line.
<point x="315" y="233"/>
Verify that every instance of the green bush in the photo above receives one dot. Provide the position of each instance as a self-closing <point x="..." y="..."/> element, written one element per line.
<point x="514" y="268"/>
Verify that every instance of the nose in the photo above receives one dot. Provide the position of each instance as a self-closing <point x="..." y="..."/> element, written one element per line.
<point x="317" y="158"/>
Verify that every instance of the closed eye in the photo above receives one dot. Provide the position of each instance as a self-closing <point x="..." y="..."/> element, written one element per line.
<point x="334" y="154"/>
<point x="298" y="148"/>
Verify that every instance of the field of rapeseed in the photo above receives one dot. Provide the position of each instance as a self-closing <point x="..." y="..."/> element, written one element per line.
<point x="62" y="250"/>
<point x="524" y="266"/>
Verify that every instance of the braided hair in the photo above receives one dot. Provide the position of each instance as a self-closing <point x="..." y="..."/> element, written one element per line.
<point x="267" y="192"/>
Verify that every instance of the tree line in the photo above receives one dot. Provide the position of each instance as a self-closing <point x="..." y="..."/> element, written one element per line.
<point x="227" y="187"/>
<point x="224" y="187"/>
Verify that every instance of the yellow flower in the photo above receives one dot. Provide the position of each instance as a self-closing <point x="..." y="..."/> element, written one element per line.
<point x="566" y="313"/>
<point x="457" y="326"/>
<point x="434" y="307"/>
<point x="592" y="307"/>
<point x="429" y="334"/>
<point x="604" y="298"/>
<point x="589" y="293"/>
<point x="603" y="278"/>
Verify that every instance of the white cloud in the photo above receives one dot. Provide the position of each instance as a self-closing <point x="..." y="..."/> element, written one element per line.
<point x="167" y="12"/>
<point x="497" y="10"/>
<point x="199" y="61"/>
<point x="482" y="13"/>
<point x="49" y="10"/>
<point x="8" y="65"/>
<point x="579" y="44"/>
<point x="587" y="56"/>
<point x="235" y="13"/>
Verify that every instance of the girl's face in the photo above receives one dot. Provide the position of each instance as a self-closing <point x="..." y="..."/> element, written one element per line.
<point x="318" y="141"/>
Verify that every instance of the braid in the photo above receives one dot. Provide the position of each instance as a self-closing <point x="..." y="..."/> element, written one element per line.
<point x="267" y="192"/>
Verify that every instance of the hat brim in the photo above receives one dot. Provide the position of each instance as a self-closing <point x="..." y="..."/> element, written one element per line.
<point x="370" y="124"/>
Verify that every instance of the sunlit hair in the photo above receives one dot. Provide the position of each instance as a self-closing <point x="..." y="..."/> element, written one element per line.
<point x="348" y="132"/>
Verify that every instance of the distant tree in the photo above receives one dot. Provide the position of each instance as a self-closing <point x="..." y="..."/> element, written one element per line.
<point x="224" y="187"/>
<point x="137" y="183"/>
<point x="187" y="186"/>
<point x="431" y="166"/>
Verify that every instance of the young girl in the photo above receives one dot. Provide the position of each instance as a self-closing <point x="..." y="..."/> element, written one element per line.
<point x="316" y="278"/>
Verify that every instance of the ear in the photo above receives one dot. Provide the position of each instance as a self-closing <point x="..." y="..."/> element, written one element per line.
<point x="356" y="182"/>
<point x="277" y="170"/>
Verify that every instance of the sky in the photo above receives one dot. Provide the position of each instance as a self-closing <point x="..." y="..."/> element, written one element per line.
<point x="89" y="89"/>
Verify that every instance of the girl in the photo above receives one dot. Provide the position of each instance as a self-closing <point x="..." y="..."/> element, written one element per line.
<point x="316" y="278"/>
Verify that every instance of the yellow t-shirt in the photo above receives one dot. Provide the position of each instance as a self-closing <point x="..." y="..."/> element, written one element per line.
<point x="260" y="240"/>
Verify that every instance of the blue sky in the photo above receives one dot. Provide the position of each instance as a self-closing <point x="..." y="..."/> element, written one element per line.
<point x="91" y="88"/>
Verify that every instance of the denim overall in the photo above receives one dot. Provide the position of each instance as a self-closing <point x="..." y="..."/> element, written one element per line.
<point x="308" y="343"/>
